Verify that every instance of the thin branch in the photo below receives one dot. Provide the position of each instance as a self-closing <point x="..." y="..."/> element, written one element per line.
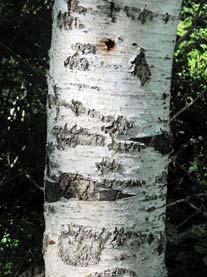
<point x="33" y="182"/>
<point x="186" y="200"/>
<point x="186" y="107"/>
<point x="19" y="58"/>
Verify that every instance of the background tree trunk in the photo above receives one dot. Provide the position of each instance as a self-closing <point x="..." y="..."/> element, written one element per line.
<point x="107" y="151"/>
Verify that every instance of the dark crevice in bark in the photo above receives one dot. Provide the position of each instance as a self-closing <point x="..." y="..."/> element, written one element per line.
<point x="160" y="143"/>
<point x="141" y="68"/>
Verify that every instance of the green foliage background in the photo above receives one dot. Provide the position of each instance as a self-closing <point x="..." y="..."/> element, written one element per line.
<point x="25" y="30"/>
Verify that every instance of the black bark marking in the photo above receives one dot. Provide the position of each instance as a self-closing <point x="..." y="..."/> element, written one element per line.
<point x="125" y="147"/>
<point x="119" y="126"/>
<point x="131" y="12"/>
<point x="114" y="272"/>
<point x="166" y="18"/>
<point x="109" y="9"/>
<point x="76" y="62"/>
<point x="74" y="136"/>
<point x="64" y="20"/>
<point x="76" y="107"/>
<point x="73" y="6"/>
<point x="160" y="143"/>
<point x="67" y="22"/>
<point x="84" y="48"/>
<point x="144" y="15"/>
<point x="138" y="14"/>
<point x="141" y="68"/>
<point x="112" y="8"/>
<point x="107" y="165"/>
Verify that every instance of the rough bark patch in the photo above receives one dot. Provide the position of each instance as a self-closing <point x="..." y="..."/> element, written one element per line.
<point x="81" y="246"/>
<point x="84" y="48"/>
<point x="126" y="147"/>
<point x="119" y="126"/>
<point x="106" y="165"/>
<point x="77" y="107"/>
<point x="71" y="137"/>
<point x="113" y="272"/>
<point x="160" y="143"/>
<point x="138" y="14"/>
<point x="110" y="9"/>
<point x="141" y="68"/>
<point x="76" y="62"/>
<point x="73" y="6"/>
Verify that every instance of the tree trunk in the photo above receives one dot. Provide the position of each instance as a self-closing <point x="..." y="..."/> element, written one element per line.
<point x="107" y="150"/>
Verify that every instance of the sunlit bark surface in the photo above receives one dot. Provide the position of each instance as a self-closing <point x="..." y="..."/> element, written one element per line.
<point x="107" y="150"/>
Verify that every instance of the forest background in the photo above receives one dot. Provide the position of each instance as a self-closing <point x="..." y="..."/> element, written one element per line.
<point x="25" y="34"/>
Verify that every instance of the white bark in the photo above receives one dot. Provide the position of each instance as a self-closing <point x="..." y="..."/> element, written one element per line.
<point x="108" y="106"/>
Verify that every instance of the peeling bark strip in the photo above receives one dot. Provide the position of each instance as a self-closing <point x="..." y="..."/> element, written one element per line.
<point x="76" y="62"/>
<point x="74" y="250"/>
<point x="141" y="68"/>
<point x="160" y="143"/>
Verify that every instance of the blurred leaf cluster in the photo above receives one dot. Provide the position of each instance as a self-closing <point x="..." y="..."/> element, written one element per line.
<point x="187" y="189"/>
<point x="25" y="28"/>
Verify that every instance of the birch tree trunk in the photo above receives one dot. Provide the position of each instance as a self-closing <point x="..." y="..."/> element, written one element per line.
<point x="107" y="150"/>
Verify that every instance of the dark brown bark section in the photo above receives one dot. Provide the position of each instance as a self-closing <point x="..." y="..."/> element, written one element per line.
<point x="76" y="186"/>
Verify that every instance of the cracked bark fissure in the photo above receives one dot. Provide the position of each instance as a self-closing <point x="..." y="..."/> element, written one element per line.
<point x="107" y="148"/>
